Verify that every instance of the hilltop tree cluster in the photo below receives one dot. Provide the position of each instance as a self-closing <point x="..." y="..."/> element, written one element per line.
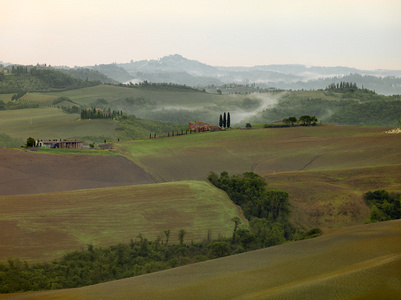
<point x="342" y="87"/>
<point x="225" y="120"/>
<point x="162" y="86"/>
<point x="306" y="120"/>
<point x="95" y="113"/>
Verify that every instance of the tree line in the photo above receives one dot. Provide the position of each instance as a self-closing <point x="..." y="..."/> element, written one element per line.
<point x="161" y="86"/>
<point x="342" y="87"/>
<point x="11" y="105"/>
<point x="94" y="113"/>
<point x="97" y="264"/>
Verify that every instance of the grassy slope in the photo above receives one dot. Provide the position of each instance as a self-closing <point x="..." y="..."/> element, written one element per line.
<point x="265" y="151"/>
<point x="43" y="226"/>
<point x="325" y="169"/>
<point x="89" y="95"/>
<point x="52" y="123"/>
<point x="360" y="262"/>
<point x="333" y="198"/>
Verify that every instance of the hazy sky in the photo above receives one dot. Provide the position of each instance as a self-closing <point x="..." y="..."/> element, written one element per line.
<point x="357" y="33"/>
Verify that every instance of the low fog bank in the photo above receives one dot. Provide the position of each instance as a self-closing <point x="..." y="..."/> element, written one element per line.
<point x="242" y="108"/>
<point x="240" y="116"/>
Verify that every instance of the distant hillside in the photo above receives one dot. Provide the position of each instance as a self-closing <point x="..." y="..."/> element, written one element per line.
<point x="182" y="104"/>
<point x="39" y="78"/>
<point x="180" y="70"/>
<point x="386" y="85"/>
<point x="171" y="63"/>
<point x="118" y="74"/>
<point x="89" y="74"/>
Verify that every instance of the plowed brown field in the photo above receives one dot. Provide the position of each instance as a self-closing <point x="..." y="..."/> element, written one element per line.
<point x="25" y="172"/>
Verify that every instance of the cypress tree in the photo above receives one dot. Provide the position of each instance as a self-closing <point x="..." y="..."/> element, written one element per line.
<point x="221" y="121"/>
<point x="224" y="120"/>
<point x="228" y="120"/>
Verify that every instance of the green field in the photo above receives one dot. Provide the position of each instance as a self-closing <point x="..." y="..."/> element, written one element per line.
<point x="52" y="123"/>
<point x="264" y="151"/>
<point x="360" y="262"/>
<point x="86" y="96"/>
<point x="41" y="227"/>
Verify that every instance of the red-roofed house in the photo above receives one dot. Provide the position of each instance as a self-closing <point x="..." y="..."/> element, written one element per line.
<point x="199" y="126"/>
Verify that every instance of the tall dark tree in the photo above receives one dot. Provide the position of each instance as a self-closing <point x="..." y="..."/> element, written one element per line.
<point x="224" y="120"/>
<point x="228" y="120"/>
<point x="30" y="142"/>
<point x="221" y="121"/>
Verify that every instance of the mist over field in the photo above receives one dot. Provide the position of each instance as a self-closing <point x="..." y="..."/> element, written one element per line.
<point x="252" y="106"/>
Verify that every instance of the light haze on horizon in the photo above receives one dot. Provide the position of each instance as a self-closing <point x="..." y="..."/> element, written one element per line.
<point x="354" y="33"/>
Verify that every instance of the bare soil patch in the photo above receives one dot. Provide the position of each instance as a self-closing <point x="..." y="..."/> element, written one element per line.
<point x="25" y="172"/>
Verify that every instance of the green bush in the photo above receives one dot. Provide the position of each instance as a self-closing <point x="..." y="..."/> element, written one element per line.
<point x="383" y="205"/>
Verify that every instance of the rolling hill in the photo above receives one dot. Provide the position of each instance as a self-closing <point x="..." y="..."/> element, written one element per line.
<point x="53" y="202"/>
<point x="44" y="226"/>
<point x="264" y="151"/>
<point x="359" y="262"/>
<point x="325" y="169"/>
<point x="181" y="105"/>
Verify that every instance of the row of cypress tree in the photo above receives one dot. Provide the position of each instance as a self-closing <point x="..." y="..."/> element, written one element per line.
<point x="225" y="121"/>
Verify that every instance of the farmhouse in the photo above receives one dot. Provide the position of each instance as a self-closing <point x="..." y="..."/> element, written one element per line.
<point x="199" y="126"/>
<point x="61" y="144"/>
